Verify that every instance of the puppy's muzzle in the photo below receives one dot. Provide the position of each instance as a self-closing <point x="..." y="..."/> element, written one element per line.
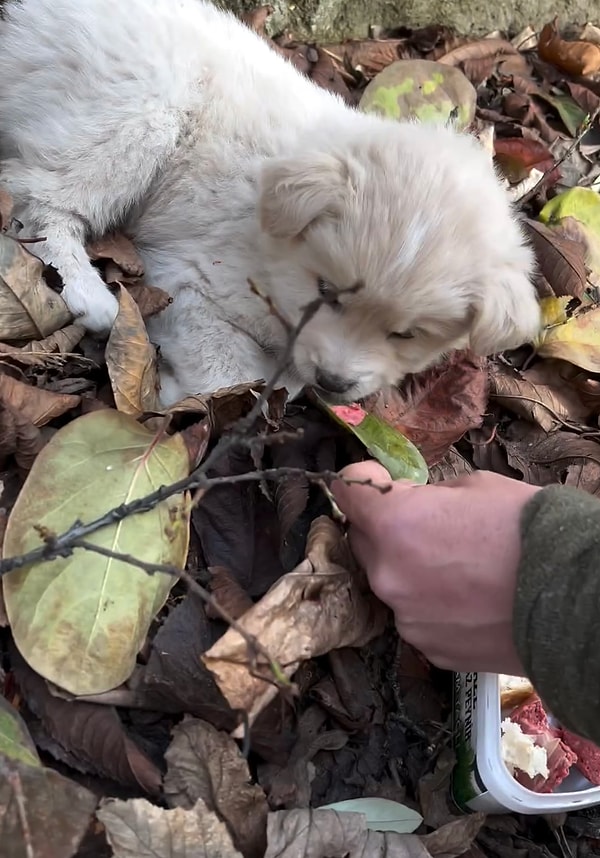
<point x="331" y="383"/>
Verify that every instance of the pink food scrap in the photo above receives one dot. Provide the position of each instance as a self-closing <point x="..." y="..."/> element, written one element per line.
<point x="352" y="414"/>
<point x="588" y="756"/>
<point x="534" y="722"/>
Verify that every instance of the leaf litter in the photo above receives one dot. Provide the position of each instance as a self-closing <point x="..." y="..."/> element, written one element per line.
<point x="248" y="733"/>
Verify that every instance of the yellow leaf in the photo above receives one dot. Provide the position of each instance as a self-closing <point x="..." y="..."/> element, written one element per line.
<point x="577" y="340"/>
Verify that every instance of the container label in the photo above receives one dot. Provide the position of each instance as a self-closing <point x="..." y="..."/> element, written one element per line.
<point x="466" y="782"/>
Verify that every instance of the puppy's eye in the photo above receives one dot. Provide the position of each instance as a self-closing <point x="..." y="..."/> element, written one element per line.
<point x="401" y="335"/>
<point x="328" y="292"/>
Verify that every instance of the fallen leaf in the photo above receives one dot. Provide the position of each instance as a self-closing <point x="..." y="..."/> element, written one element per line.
<point x="203" y="763"/>
<point x="15" y="741"/>
<point x="451" y="467"/>
<point x="138" y="829"/>
<point x="257" y="18"/>
<point x="19" y="437"/>
<point x="150" y="299"/>
<point x="516" y="156"/>
<point x="578" y="57"/>
<point x="588" y="100"/>
<point x="561" y="260"/>
<point x="34" y="404"/>
<point x="85" y="639"/>
<point x="454" y="838"/>
<point x="322" y="605"/>
<point x="380" y="814"/>
<point x="227" y="592"/>
<point x="55" y="810"/>
<point x="421" y="90"/>
<point x="29" y="309"/>
<point x="395" y="452"/>
<point x="325" y="74"/>
<point x="306" y="833"/>
<point x="539" y="394"/>
<point x="578" y="211"/>
<point x="577" y="340"/>
<point x="52" y="351"/>
<point x="120" y="250"/>
<point x="369" y="56"/>
<point x="436" y="407"/>
<point x="131" y="360"/>
<point x="90" y="736"/>
<point x="6" y="209"/>
<point x="479" y="59"/>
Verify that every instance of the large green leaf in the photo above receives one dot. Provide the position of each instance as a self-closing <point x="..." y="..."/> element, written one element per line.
<point x="390" y="447"/>
<point x="81" y="620"/>
<point x="15" y="741"/>
<point x="381" y="814"/>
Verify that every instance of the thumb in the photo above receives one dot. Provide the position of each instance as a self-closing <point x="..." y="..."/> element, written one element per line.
<point x="362" y="503"/>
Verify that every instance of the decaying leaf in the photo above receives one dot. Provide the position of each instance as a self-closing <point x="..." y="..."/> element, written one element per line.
<point x="577" y="58"/>
<point x="138" y="829"/>
<point x="561" y="260"/>
<point x="19" y="437"/>
<point x="131" y="360"/>
<point x="322" y="605"/>
<point x="150" y="299"/>
<point x="206" y="764"/>
<point x="80" y="620"/>
<point x="35" y="404"/>
<point x="15" y="741"/>
<point x="517" y="156"/>
<point x="451" y="467"/>
<point x="306" y="833"/>
<point x="56" y="811"/>
<point x="479" y="59"/>
<point x="577" y="211"/>
<point x="89" y="737"/>
<point x="230" y="596"/>
<point x="29" y="309"/>
<point x="6" y="208"/>
<point x="422" y="90"/>
<point x="120" y="250"/>
<point x="576" y="340"/>
<point x="454" y="838"/>
<point x="49" y="352"/>
<point x="436" y="407"/>
<point x="540" y="394"/>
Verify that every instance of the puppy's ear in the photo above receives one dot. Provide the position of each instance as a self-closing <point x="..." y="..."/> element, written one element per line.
<point x="506" y="314"/>
<point x="294" y="192"/>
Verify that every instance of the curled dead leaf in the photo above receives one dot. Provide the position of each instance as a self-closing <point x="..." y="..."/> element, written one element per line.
<point x="29" y="309"/>
<point x="19" y="437"/>
<point x="131" y="361"/>
<point x="228" y="593"/>
<point x="322" y="605"/>
<point x="578" y="57"/>
<point x="561" y="260"/>
<point x="118" y="248"/>
<point x="35" y="404"/>
<point x="49" y="352"/>
<point x="478" y="59"/>
<point x="150" y="299"/>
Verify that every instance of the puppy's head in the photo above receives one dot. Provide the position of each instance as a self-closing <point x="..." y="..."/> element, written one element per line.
<point x="407" y="234"/>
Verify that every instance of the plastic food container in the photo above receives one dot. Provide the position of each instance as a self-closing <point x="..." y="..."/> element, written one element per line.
<point x="481" y="781"/>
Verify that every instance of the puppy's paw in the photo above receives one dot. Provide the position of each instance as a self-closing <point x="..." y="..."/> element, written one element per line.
<point x="91" y="303"/>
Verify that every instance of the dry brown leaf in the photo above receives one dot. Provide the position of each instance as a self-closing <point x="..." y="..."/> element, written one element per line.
<point x="517" y="156"/>
<point x="131" y="361"/>
<point x="436" y="407"/>
<point x="325" y="74"/>
<point x="454" y="838"/>
<point x="120" y="250"/>
<point x="6" y="208"/>
<point x="578" y="58"/>
<point x="322" y="605"/>
<point x="29" y="309"/>
<point x="257" y="18"/>
<point x="561" y="260"/>
<point x="451" y="467"/>
<point x="307" y="833"/>
<point x="478" y="59"/>
<point x="540" y="394"/>
<point x="150" y="299"/>
<point x="49" y="352"/>
<point x="369" y="56"/>
<point x="35" y="404"/>
<point x="231" y="597"/>
<point x="203" y="763"/>
<point x="138" y="829"/>
<point x="18" y="437"/>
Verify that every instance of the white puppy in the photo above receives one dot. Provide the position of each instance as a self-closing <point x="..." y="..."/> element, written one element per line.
<point x="173" y="121"/>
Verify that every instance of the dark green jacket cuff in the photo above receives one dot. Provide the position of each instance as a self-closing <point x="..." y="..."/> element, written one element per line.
<point x="557" y="605"/>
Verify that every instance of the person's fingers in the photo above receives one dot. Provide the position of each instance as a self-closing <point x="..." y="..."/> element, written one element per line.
<point x="361" y="503"/>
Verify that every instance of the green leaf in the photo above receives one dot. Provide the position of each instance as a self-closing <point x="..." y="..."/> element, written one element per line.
<point x="393" y="449"/>
<point x="381" y="814"/>
<point x="15" y="741"/>
<point x="80" y="620"/>
<point x="567" y="108"/>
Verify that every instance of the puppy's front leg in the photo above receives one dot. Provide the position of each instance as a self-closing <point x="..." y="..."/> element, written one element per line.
<point x="84" y="293"/>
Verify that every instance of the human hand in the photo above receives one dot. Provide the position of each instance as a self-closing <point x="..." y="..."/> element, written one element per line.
<point x="444" y="557"/>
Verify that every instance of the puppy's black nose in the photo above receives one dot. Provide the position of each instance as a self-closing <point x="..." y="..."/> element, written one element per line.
<point x="332" y="383"/>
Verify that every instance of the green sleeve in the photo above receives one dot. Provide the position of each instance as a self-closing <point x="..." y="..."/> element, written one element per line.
<point x="557" y="605"/>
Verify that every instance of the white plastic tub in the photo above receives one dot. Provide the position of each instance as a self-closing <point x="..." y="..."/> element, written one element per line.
<point x="481" y="780"/>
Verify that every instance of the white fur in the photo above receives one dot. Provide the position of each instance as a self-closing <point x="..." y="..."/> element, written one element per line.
<point x="172" y="120"/>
